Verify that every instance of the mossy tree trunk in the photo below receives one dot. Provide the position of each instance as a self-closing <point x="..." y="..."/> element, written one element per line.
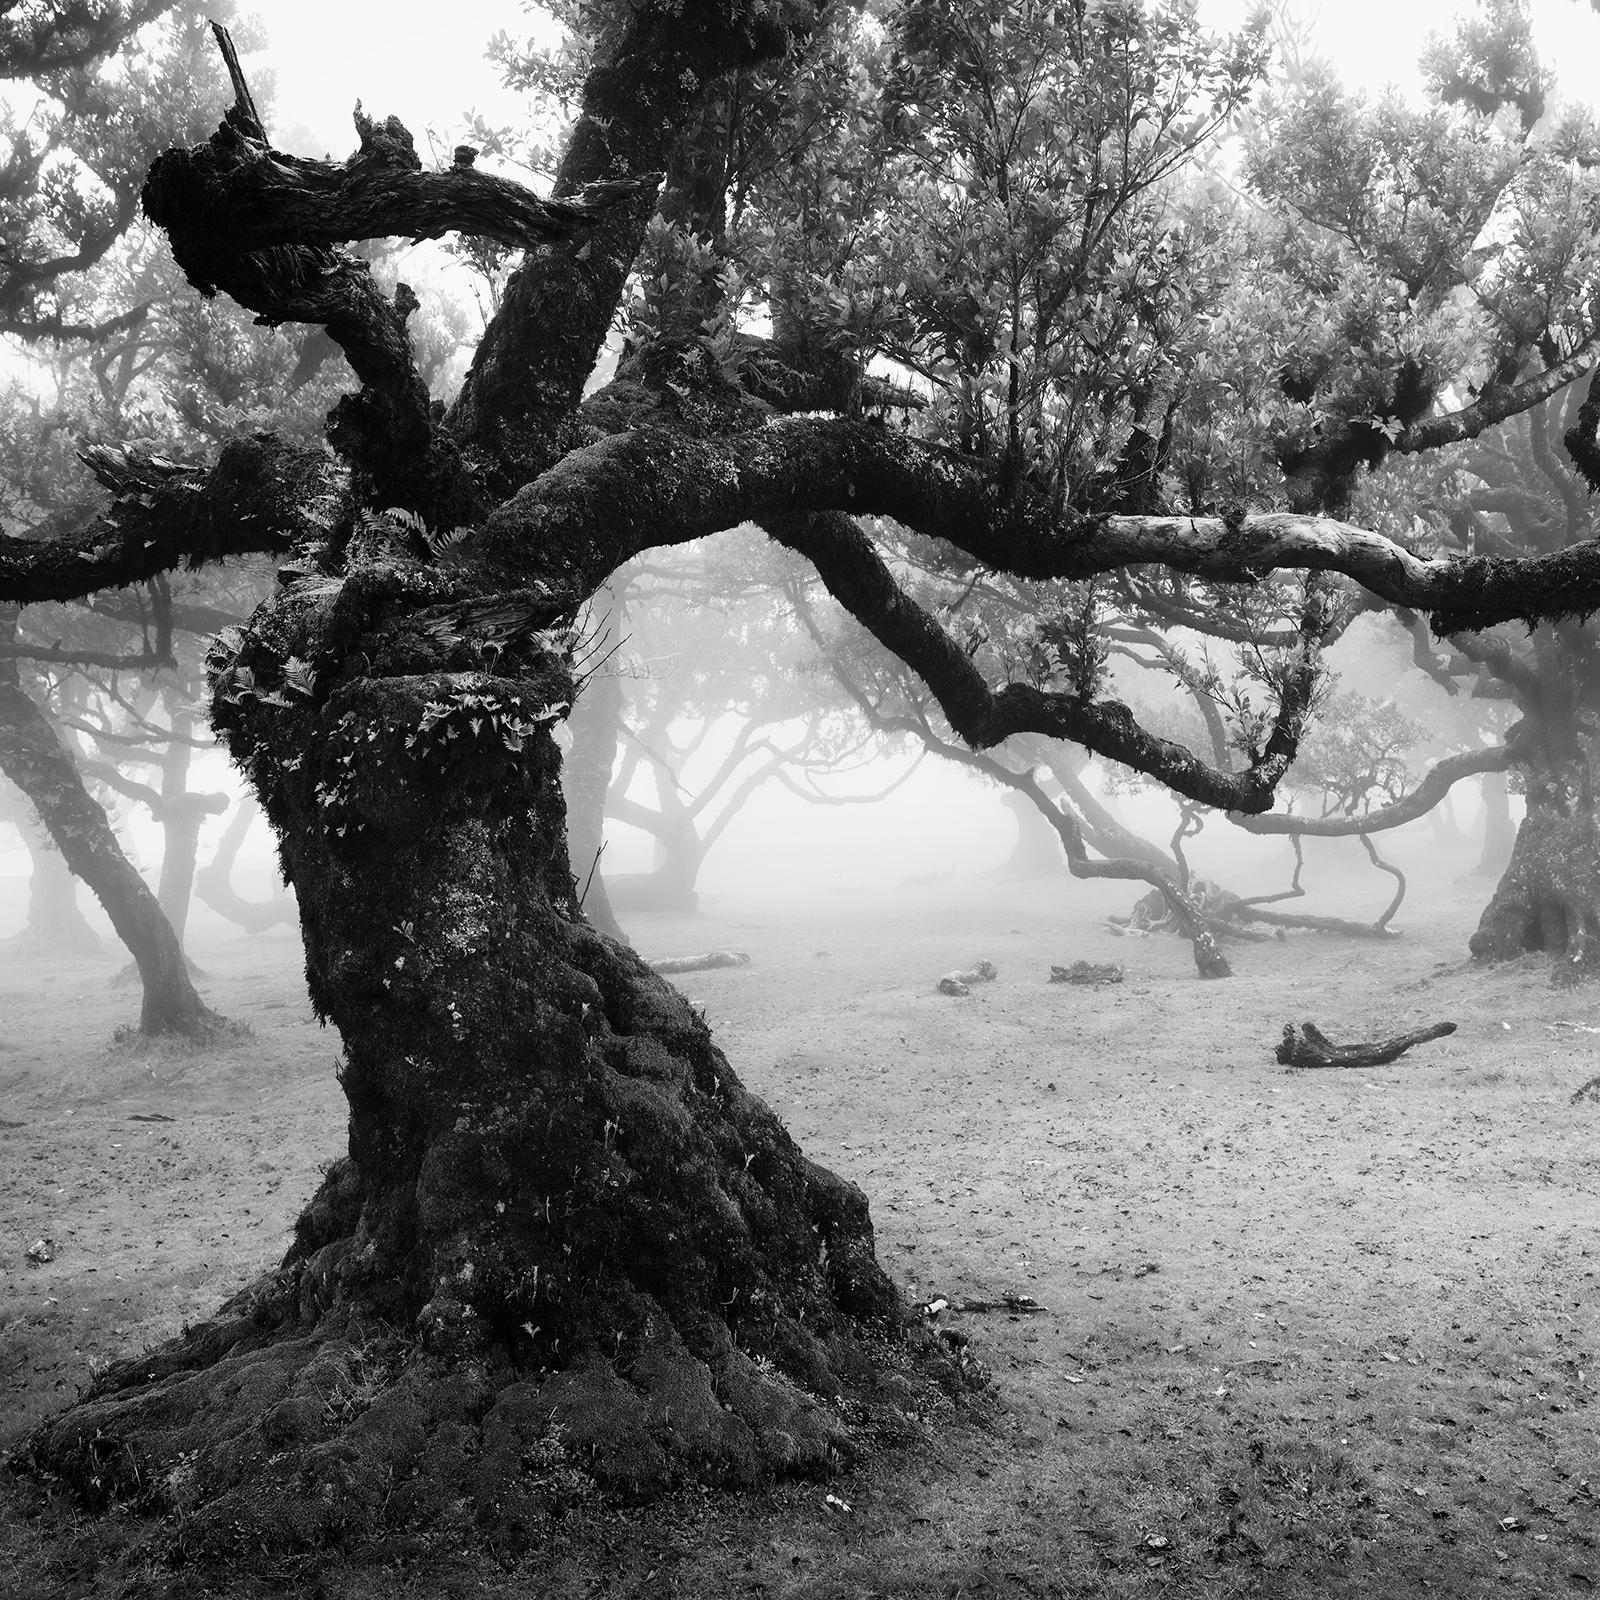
<point x="557" y="1191"/>
<point x="1548" y="897"/>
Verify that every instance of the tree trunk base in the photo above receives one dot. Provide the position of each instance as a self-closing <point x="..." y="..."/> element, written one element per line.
<point x="1549" y="897"/>
<point x="279" y="1428"/>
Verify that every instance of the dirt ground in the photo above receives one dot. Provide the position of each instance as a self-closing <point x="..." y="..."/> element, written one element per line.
<point x="1303" y="1334"/>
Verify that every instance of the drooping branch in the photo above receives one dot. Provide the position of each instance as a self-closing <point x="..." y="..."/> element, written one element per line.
<point x="859" y="580"/>
<point x="1208" y="956"/>
<point x="262" y="495"/>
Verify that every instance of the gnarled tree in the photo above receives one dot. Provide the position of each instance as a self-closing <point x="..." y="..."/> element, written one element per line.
<point x="564" y="1234"/>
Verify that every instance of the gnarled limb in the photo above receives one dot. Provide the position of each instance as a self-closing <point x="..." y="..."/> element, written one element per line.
<point x="262" y="495"/>
<point x="1440" y="778"/>
<point x="1208" y="957"/>
<point x="213" y="883"/>
<point x="557" y="308"/>
<point x="1308" y="1046"/>
<point x="635" y="491"/>
<point x="856" y="575"/>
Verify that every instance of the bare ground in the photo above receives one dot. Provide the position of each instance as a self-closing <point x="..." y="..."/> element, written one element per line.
<point x="1304" y="1334"/>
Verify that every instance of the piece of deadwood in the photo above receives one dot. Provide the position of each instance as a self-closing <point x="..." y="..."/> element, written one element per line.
<point x="1308" y="1046"/>
<point x="1019" y="1305"/>
<point x="961" y="982"/>
<point x="1087" y="972"/>
<point x="712" y="958"/>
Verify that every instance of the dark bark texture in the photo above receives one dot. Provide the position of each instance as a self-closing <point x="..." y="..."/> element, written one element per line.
<point x="565" y="1245"/>
<point x="565" y="1237"/>
<point x="1548" y="897"/>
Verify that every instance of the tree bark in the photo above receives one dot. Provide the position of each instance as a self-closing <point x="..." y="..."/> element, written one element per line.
<point x="1548" y="898"/>
<point x="565" y="1237"/>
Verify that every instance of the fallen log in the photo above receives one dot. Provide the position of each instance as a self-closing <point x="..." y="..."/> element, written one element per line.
<point x="1087" y="972"/>
<point x="712" y="958"/>
<point x="1308" y="1046"/>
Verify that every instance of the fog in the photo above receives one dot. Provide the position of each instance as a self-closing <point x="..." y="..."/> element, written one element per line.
<point x="781" y="852"/>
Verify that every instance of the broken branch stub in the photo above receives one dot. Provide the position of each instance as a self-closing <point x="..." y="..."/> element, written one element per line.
<point x="1087" y="972"/>
<point x="1308" y="1046"/>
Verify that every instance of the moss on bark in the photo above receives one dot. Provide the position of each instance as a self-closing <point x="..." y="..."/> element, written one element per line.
<point x="567" y="1248"/>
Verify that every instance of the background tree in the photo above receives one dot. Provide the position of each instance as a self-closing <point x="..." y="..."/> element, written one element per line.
<point x="715" y="702"/>
<point x="564" y="1232"/>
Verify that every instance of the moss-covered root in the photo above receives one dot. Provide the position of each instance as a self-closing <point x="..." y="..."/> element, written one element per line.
<point x="349" y="1433"/>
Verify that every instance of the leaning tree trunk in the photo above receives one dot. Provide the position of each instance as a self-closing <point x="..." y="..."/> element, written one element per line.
<point x="1548" y="898"/>
<point x="36" y="761"/>
<point x="565" y="1236"/>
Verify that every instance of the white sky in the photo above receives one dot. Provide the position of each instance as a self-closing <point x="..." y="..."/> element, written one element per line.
<point x="425" y="63"/>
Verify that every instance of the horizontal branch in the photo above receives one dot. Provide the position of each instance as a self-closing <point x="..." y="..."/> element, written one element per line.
<point x="262" y="495"/>
<point x="60" y="655"/>
<point x="635" y="491"/>
<point x="247" y="197"/>
<point x="1440" y="779"/>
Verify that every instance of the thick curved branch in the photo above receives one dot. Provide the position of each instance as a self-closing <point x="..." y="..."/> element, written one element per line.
<point x="1496" y="404"/>
<point x="858" y="579"/>
<point x="557" y="308"/>
<point x="262" y="495"/>
<point x="1440" y="779"/>
<point x="632" y="492"/>
<point x="162" y="807"/>
<point x="248" y="198"/>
